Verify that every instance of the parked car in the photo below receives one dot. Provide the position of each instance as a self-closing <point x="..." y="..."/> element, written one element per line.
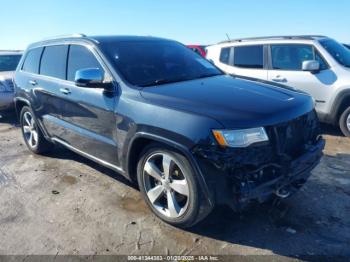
<point x="199" y="49"/>
<point x="317" y="65"/>
<point x="8" y="63"/>
<point x="347" y="46"/>
<point x="151" y="109"/>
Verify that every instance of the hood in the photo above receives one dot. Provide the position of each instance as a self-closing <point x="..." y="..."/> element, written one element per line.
<point x="235" y="103"/>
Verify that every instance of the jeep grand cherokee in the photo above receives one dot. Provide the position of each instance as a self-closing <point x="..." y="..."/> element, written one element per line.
<point x="164" y="117"/>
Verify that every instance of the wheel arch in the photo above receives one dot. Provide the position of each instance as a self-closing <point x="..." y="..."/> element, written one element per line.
<point x="19" y="104"/>
<point x="141" y="140"/>
<point x="22" y="102"/>
<point x="341" y="102"/>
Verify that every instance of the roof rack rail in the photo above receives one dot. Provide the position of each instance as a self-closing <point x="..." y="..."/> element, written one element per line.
<point x="305" y="37"/>
<point x="9" y="50"/>
<point x="64" y="36"/>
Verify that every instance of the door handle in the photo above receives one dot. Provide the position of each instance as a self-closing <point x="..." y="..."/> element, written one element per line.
<point x="65" y="91"/>
<point x="279" y="79"/>
<point x="33" y="82"/>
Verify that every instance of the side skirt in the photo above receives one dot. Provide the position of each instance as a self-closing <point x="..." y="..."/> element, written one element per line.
<point x="93" y="158"/>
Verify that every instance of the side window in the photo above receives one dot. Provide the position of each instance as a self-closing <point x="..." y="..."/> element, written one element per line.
<point x="249" y="56"/>
<point x="32" y="61"/>
<point x="290" y="57"/>
<point x="225" y="55"/>
<point x="319" y="58"/>
<point x="53" y="61"/>
<point x="80" y="58"/>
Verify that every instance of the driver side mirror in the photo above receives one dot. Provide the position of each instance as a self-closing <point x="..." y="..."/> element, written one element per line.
<point x="89" y="77"/>
<point x="312" y="66"/>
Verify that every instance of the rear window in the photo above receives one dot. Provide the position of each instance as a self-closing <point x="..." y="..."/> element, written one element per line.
<point x="9" y="62"/>
<point x="32" y="61"/>
<point x="53" y="61"/>
<point x="249" y="56"/>
<point x="225" y="55"/>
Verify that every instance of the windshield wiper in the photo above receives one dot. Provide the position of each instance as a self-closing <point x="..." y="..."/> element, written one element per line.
<point x="168" y="81"/>
<point x="208" y="75"/>
<point x="162" y="82"/>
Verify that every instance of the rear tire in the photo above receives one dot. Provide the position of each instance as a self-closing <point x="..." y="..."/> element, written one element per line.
<point x="344" y="122"/>
<point x="169" y="186"/>
<point x="32" y="135"/>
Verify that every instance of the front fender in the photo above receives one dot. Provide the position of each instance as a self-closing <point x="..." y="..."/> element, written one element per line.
<point x="208" y="195"/>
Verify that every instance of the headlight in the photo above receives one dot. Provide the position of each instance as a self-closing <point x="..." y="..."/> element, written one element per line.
<point x="240" y="138"/>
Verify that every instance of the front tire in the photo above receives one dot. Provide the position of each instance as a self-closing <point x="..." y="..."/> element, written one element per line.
<point x="32" y="135"/>
<point x="344" y="122"/>
<point x="169" y="186"/>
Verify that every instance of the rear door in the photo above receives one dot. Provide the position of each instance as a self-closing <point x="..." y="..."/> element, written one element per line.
<point x="247" y="61"/>
<point x="286" y="68"/>
<point x="26" y="78"/>
<point x="87" y="114"/>
<point x="52" y="72"/>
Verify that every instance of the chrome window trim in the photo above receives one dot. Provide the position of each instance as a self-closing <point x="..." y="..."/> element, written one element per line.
<point x="92" y="48"/>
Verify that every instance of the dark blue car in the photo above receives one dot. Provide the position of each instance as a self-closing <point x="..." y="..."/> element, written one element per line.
<point x="166" y="118"/>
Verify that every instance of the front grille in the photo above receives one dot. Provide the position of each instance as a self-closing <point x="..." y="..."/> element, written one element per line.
<point x="293" y="137"/>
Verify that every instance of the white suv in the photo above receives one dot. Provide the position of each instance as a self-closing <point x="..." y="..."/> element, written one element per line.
<point x="317" y="65"/>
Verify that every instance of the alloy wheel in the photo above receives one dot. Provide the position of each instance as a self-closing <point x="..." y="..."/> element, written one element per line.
<point x="30" y="129"/>
<point x="348" y="122"/>
<point x="166" y="185"/>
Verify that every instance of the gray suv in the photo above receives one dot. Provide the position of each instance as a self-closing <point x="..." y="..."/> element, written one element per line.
<point x="167" y="119"/>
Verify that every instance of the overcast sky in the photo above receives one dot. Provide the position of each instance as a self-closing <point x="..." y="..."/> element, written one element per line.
<point x="188" y="21"/>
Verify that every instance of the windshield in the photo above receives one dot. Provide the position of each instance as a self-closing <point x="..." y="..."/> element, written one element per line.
<point x="147" y="63"/>
<point x="337" y="51"/>
<point x="9" y="62"/>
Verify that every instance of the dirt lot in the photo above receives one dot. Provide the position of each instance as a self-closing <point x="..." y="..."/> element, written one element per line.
<point x="64" y="204"/>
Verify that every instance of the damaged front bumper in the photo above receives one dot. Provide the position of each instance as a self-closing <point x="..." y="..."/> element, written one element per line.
<point x="238" y="184"/>
<point x="289" y="179"/>
<point x="238" y="176"/>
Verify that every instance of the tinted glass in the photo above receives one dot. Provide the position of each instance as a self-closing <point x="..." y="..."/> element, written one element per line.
<point x="291" y="57"/>
<point x="53" y="61"/>
<point x="323" y="64"/>
<point x="80" y="58"/>
<point x="9" y="62"/>
<point x="225" y="55"/>
<point x="249" y="56"/>
<point x="32" y="61"/>
<point x="339" y="52"/>
<point x="146" y="63"/>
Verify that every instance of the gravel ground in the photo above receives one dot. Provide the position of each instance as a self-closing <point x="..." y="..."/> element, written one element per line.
<point x="62" y="203"/>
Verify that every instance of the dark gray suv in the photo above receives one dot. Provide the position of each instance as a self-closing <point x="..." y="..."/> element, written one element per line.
<point x="166" y="118"/>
